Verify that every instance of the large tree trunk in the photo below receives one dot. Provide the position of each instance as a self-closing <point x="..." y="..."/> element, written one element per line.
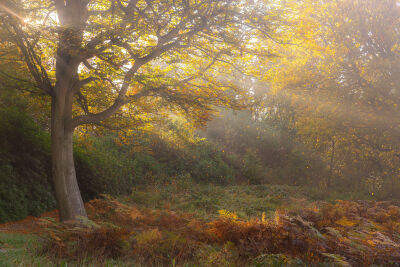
<point x="67" y="192"/>
<point x="72" y="15"/>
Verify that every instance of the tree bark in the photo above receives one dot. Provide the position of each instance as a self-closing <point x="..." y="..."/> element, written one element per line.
<point x="72" y="15"/>
<point x="69" y="200"/>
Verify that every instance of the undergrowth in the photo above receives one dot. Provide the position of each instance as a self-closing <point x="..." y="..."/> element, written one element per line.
<point x="345" y="233"/>
<point x="246" y="200"/>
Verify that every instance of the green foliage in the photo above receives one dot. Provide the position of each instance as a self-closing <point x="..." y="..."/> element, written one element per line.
<point x="13" y="205"/>
<point x="207" y="164"/>
<point x="102" y="166"/>
<point x="206" y="199"/>
<point x="276" y="260"/>
<point x="102" y="170"/>
<point x="25" y="167"/>
<point x="252" y="168"/>
<point x="260" y="151"/>
<point x="18" y="250"/>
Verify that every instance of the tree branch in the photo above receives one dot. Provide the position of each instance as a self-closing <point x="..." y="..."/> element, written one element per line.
<point x="31" y="59"/>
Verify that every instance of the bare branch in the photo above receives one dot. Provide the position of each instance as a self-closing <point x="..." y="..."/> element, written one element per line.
<point x="33" y="62"/>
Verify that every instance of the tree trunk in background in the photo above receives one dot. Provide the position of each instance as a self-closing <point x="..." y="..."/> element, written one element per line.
<point x="329" y="182"/>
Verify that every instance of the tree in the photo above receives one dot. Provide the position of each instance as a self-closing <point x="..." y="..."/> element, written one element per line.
<point x="341" y="79"/>
<point x="101" y="59"/>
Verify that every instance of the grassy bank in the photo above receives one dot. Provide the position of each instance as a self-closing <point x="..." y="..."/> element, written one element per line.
<point x="247" y="201"/>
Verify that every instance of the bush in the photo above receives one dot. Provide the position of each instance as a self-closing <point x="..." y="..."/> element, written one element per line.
<point x="252" y="170"/>
<point x="206" y="164"/>
<point x="13" y="204"/>
<point x="100" y="172"/>
<point x="25" y="169"/>
<point x="81" y="242"/>
<point x="103" y="167"/>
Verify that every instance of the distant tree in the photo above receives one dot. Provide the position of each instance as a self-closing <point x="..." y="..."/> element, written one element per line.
<point x="338" y="86"/>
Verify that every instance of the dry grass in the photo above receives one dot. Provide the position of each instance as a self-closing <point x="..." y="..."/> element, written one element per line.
<point x="345" y="233"/>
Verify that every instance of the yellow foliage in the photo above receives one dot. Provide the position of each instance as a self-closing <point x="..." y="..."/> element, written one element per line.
<point x="346" y="222"/>
<point x="228" y="215"/>
<point x="263" y="219"/>
<point x="370" y="242"/>
<point x="148" y="236"/>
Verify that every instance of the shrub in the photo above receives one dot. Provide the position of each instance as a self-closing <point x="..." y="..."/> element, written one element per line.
<point x="13" y="204"/>
<point x="252" y="170"/>
<point x="80" y="242"/>
<point x="156" y="248"/>
<point x="24" y="167"/>
<point x="206" y="164"/>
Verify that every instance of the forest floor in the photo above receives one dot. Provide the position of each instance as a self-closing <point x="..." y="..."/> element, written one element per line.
<point x="191" y="225"/>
